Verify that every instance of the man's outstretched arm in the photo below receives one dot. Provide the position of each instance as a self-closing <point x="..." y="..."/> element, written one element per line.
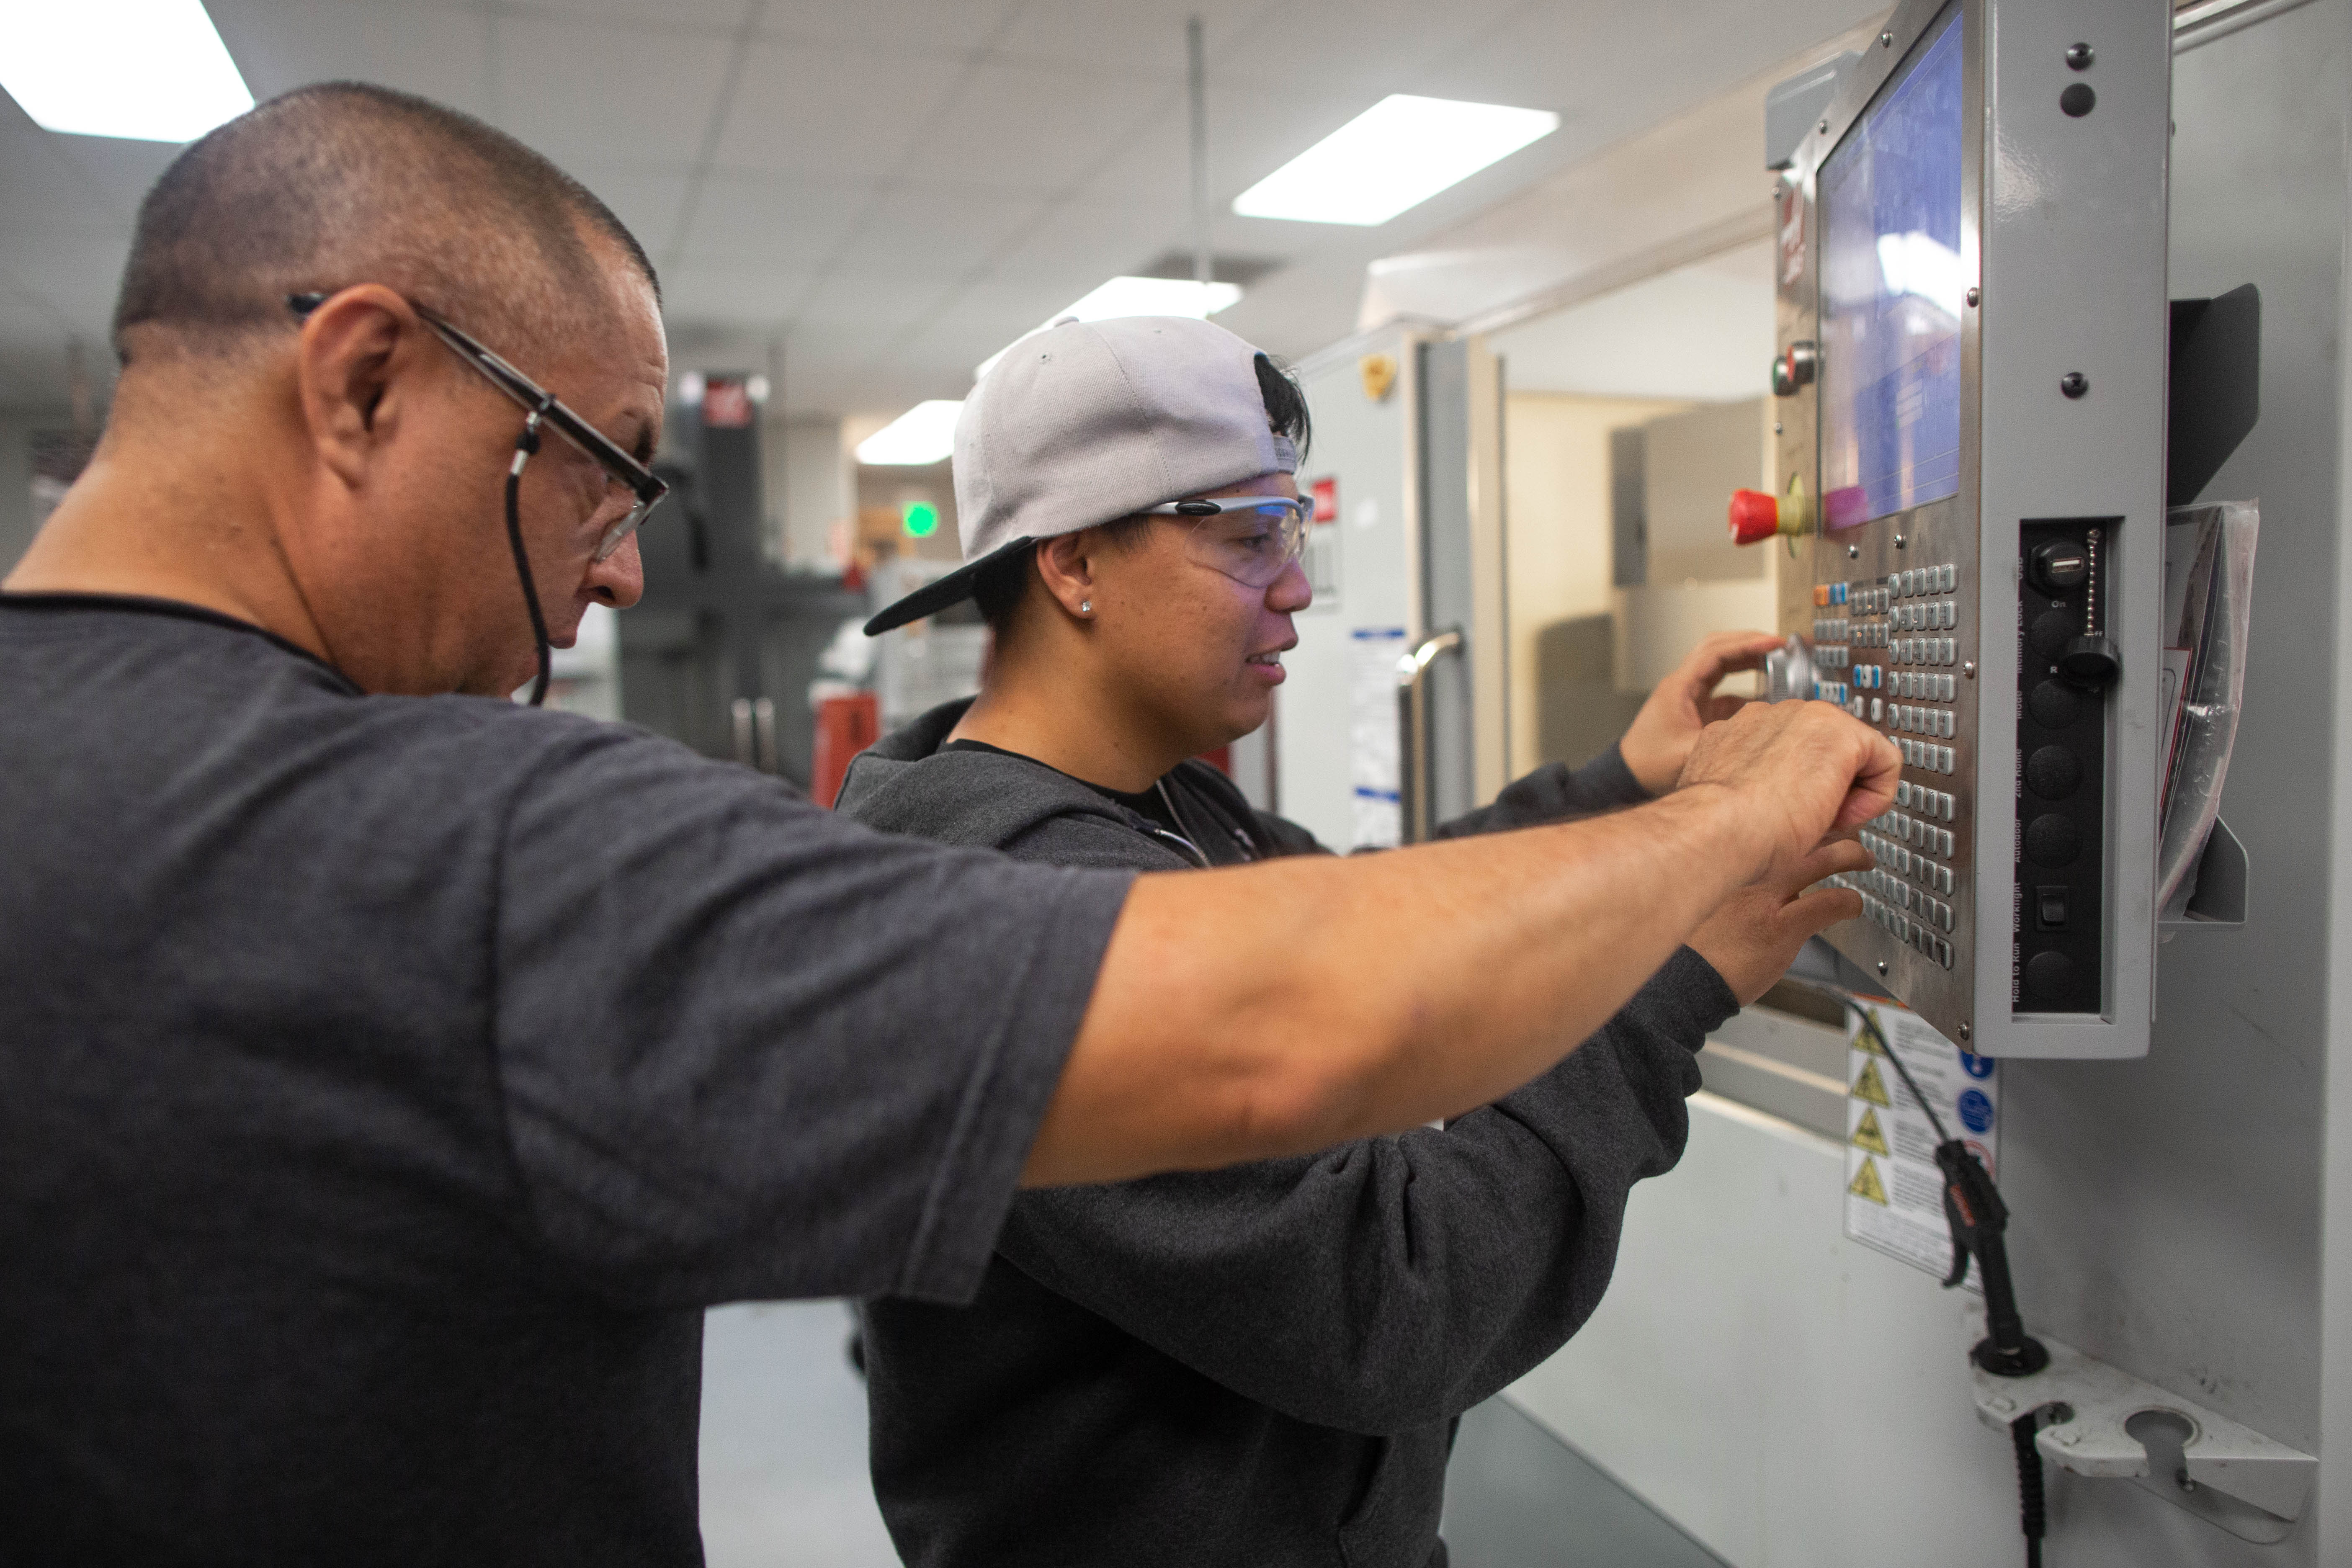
<point x="1280" y="1008"/>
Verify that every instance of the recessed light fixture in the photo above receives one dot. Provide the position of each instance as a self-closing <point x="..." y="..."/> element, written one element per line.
<point x="922" y="434"/>
<point x="1135" y="297"/>
<point x="1396" y="154"/>
<point x="147" y="70"/>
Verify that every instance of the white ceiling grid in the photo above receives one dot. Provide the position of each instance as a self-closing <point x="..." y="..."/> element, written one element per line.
<point x="889" y="190"/>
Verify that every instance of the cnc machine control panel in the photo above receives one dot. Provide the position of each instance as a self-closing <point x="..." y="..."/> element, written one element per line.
<point x="1969" y="453"/>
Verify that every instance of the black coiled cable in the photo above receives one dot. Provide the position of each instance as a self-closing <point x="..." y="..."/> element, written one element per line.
<point x="2028" y="1484"/>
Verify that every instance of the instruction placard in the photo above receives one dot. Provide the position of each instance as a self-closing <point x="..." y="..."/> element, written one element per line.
<point x="1894" y="1191"/>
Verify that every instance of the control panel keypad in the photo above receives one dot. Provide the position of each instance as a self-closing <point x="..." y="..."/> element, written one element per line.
<point x="1893" y="668"/>
<point x="1906" y="891"/>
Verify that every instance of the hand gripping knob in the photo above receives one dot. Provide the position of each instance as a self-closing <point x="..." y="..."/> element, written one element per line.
<point x="1755" y="516"/>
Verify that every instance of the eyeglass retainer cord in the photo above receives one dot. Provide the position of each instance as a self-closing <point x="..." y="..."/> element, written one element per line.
<point x="527" y="444"/>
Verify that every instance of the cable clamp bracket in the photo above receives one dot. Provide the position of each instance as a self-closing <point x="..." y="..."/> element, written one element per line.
<point x="2108" y="1423"/>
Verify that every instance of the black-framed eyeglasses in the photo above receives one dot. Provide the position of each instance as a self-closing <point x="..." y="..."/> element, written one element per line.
<point x="644" y="487"/>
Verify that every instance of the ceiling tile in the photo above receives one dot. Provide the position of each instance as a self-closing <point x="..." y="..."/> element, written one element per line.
<point x="777" y="221"/>
<point x="947" y="232"/>
<point x="701" y="296"/>
<point x="1030" y="127"/>
<point x="591" y="92"/>
<point x="117" y="174"/>
<point x="439" y="52"/>
<point x="648" y="204"/>
<point x="938" y="26"/>
<point x="844" y="114"/>
<point x="1071" y="246"/>
<point x="884" y="305"/>
<point x="1358" y="47"/>
<point x="1136" y="38"/>
<point x="701" y="15"/>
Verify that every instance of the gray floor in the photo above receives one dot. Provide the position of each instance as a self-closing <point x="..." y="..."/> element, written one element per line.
<point x="783" y="1442"/>
<point x="1518" y="1497"/>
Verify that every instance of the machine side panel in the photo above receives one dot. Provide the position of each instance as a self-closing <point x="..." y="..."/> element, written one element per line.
<point x="2074" y="287"/>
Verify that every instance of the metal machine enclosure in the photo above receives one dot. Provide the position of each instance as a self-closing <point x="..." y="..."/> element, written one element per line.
<point x="1925" y="620"/>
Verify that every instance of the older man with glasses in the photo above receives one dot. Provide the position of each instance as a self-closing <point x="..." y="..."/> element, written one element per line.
<point x="393" y="1073"/>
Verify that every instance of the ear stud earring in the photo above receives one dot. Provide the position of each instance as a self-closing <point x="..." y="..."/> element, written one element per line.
<point x="1086" y="606"/>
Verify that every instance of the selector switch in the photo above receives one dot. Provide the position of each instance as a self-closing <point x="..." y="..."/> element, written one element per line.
<point x="2049" y="908"/>
<point x="2051" y="840"/>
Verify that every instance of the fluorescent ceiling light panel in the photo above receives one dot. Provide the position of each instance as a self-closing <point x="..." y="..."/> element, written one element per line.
<point x="922" y="434"/>
<point x="1396" y="154"/>
<point x="1134" y="297"/>
<point x="148" y="70"/>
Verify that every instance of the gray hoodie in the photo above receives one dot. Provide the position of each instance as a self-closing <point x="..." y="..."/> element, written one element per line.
<point x="1261" y="1364"/>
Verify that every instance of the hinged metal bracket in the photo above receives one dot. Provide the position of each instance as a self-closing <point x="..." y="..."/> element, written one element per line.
<point x="2115" y="1424"/>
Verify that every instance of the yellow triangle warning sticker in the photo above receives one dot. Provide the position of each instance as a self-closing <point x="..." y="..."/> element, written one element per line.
<point x="1870" y="1086"/>
<point x="1867" y="1042"/>
<point x="1866" y="1134"/>
<point x="1866" y="1184"/>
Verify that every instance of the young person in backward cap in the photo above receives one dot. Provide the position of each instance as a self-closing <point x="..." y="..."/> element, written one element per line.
<point x="1260" y="1365"/>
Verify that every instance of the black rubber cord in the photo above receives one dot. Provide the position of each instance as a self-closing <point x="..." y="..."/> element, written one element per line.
<point x="2028" y="1484"/>
<point x="524" y="447"/>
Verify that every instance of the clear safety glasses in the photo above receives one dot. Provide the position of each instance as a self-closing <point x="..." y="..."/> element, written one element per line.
<point x="1251" y="539"/>
<point x="624" y="475"/>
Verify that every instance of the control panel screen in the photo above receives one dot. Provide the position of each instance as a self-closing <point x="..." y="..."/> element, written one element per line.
<point x="1892" y="286"/>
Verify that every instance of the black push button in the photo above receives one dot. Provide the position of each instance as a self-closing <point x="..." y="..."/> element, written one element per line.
<point x="2050" y="840"/>
<point x="2053" y="704"/>
<point x="2049" y="908"/>
<point x="2052" y="772"/>
<point x="2050" y="632"/>
<point x="2049" y="980"/>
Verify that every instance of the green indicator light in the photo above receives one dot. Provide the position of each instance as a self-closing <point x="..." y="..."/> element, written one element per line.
<point x="920" y="517"/>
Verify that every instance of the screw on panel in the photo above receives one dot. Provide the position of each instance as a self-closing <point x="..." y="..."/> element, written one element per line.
<point x="1825" y="125"/>
<point x="1853" y="552"/>
<point x="1964" y="1031"/>
<point x="1882" y="966"/>
<point x="2073" y="384"/>
<point x="1899" y="541"/>
<point x="2079" y="55"/>
<point x="1886" y="41"/>
<point x="1974" y="296"/>
<point x="1969" y="670"/>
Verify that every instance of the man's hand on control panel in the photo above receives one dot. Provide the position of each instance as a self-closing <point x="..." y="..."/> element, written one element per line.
<point x="1753" y="936"/>
<point x="1801" y="771"/>
<point x="1659" y="740"/>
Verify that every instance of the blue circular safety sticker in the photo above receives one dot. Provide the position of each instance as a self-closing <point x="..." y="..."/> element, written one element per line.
<point x="1976" y="1110"/>
<point x="1976" y="1067"/>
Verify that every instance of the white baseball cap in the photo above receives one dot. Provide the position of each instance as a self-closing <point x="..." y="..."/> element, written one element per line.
<point x="1088" y="422"/>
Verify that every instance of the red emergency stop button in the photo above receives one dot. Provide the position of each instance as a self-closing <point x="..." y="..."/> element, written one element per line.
<point x="1754" y="516"/>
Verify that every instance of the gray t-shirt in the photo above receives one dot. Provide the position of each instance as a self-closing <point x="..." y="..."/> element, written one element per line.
<point x="386" y="1084"/>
